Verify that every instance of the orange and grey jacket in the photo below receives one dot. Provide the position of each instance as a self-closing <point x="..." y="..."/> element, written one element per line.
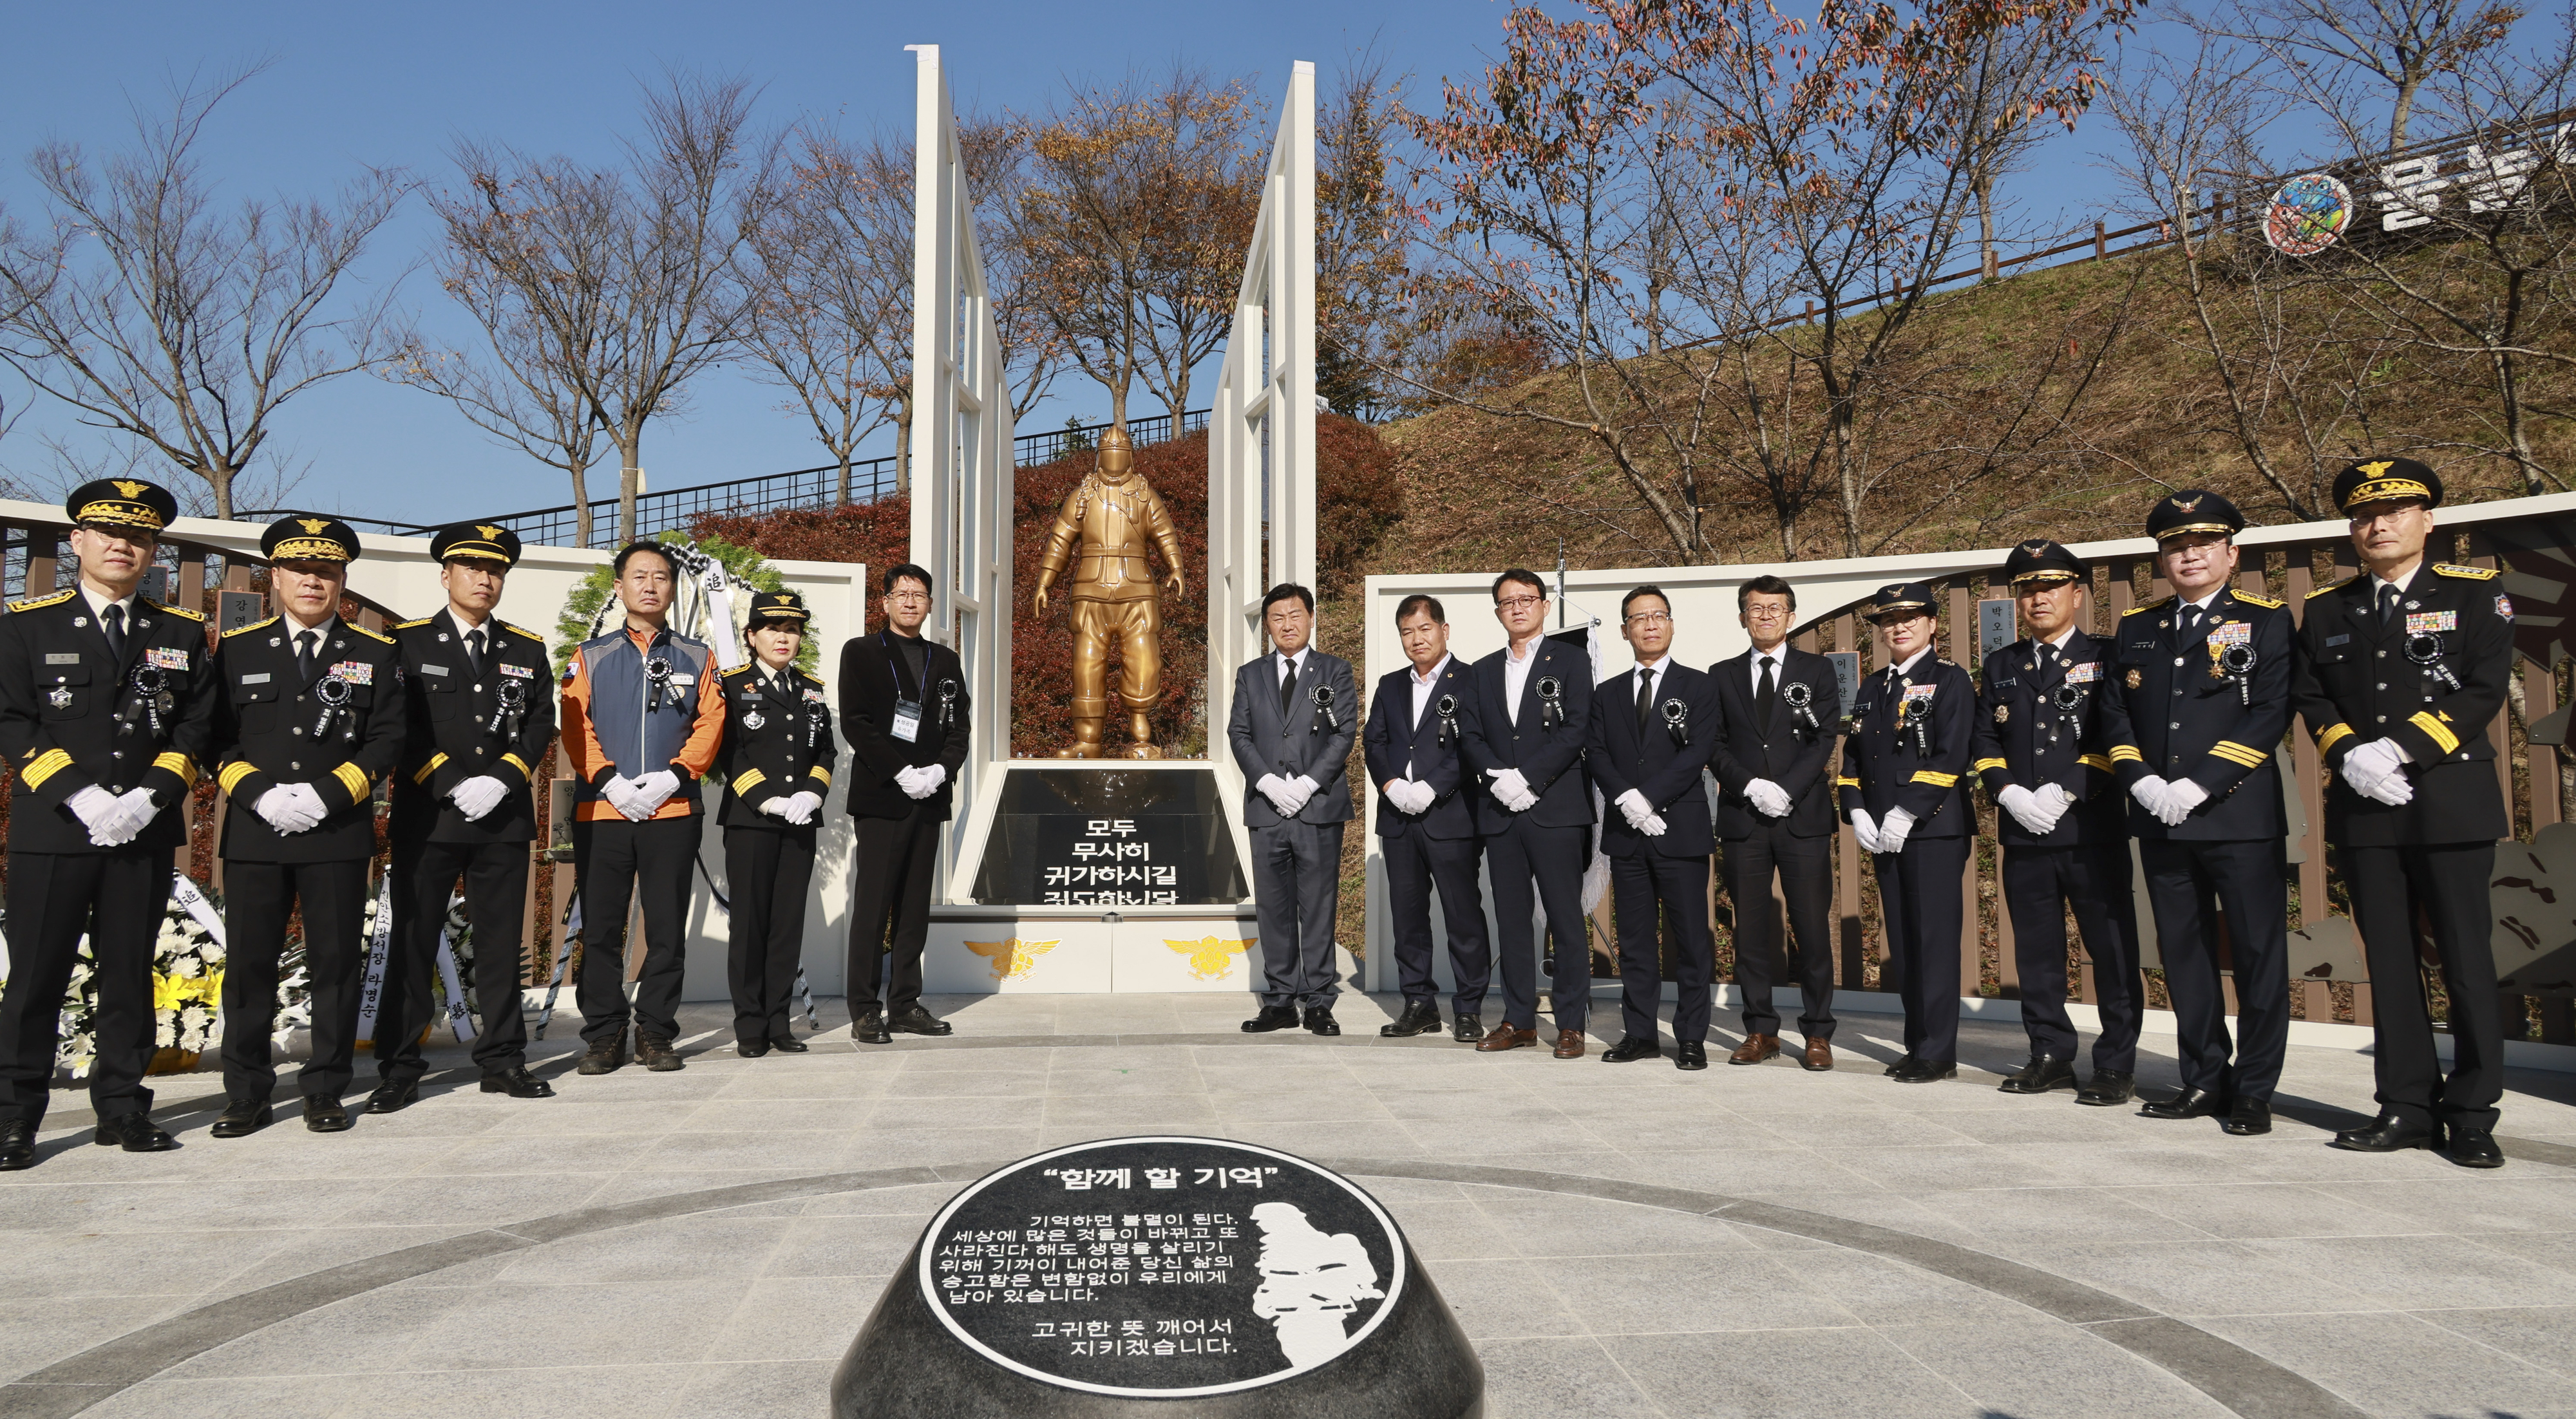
<point x="637" y="702"/>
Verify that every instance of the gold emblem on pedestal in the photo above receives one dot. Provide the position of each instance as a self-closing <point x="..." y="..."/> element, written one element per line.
<point x="1103" y="534"/>
<point x="1012" y="959"/>
<point x="1210" y="956"/>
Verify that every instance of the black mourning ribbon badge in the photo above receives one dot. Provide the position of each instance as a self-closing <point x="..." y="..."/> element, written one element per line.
<point x="1801" y="701"/>
<point x="947" y="701"/>
<point x="2236" y="662"/>
<point x="657" y="675"/>
<point x="152" y="701"/>
<point x="333" y="692"/>
<point x="1325" y="714"/>
<point x="1447" y="708"/>
<point x="512" y="696"/>
<point x="1910" y="716"/>
<point x="2425" y="650"/>
<point x="1677" y="721"/>
<point x="2069" y="699"/>
<point x="1551" y="702"/>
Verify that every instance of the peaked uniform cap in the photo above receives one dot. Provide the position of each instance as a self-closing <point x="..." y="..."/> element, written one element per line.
<point x="2043" y="561"/>
<point x="309" y="537"/>
<point x="777" y="606"/>
<point x="122" y="502"/>
<point x="476" y="542"/>
<point x="2192" y="510"/>
<point x="1900" y="596"/>
<point x="2386" y="480"/>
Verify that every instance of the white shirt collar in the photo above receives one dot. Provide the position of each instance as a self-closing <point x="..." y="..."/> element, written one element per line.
<point x="1906" y="666"/>
<point x="287" y="624"/>
<point x="2377" y="581"/>
<point x="2203" y="603"/>
<point x="1298" y="660"/>
<point x="1513" y="655"/>
<point x="2062" y="637"/>
<point x="1433" y="675"/>
<point x="1655" y="671"/>
<point x="98" y="604"/>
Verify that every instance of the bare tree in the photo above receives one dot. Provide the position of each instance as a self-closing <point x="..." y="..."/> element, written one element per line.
<point x="630" y="278"/>
<point x="163" y="319"/>
<point x="527" y="396"/>
<point x="2402" y="42"/>
<point x="831" y="284"/>
<point x="1360" y="239"/>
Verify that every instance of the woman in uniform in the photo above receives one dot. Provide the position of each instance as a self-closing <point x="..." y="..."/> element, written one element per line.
<point x="777" y="760"/>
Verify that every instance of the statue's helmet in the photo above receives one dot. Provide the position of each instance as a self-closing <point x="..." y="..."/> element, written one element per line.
<point x="1117" y="453"/>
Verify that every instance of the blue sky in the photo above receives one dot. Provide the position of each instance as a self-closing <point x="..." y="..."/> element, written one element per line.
<point x="350" y="86"/>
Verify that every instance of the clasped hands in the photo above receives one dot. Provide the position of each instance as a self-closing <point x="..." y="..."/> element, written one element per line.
<point x="2171" y="800"/>
<point x="1288" y="795"/>
<point x="2036" y="809"/>
<point x="1411" y="795"/>
<point x="1882" y="836"/>
<point x="921" y="780"/>
<point x="113" y="819"/>
<point x="1511" y="789"/>
<point x="1769" y="798"/>
<point x="641" y="797"/>
<point x="797" y="808"/>
<point x="1641" y="814"/>
<point x="2376" y="771"/>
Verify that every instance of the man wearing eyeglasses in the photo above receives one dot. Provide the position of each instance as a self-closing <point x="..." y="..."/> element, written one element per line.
<point x="1653" y="731"/>
<point x="2401" y="671"/>
<point x="1532" y="713"/>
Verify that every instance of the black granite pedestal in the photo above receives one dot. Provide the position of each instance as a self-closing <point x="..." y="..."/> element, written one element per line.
<point x="1162" y="1276"/>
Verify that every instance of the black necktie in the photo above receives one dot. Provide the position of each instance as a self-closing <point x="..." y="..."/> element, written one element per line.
<point x="2190" y="620"/>
<point x="1766" y="695"/>
<point x="307" y="651"/>
<point x="111" y="624"/>
<point x="2048" y="655"/>
<point x="474" y="651"/>
<point x="1287" y="687"/>
<point x="2387" y="603"/>
<point x="1645" y="697"/>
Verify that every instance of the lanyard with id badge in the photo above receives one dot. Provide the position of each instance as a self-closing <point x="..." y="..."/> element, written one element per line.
<point x="907" y="710"/>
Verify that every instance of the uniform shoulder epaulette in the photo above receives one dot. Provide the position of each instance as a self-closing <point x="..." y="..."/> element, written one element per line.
<point x="180" y="611"/>
<point x="407" y="625"/>
<point x="2466" y="573"/>
<point x="38" y="603"/>
<point x="2332" y="586"/>
<point x="372" y="635"/>
<point x="742" y="669"/>
<point x="2256" y="598"/>
<point x="2158" y="604"/>
<point x="253" y="626"/>
<point x="519" y="631"/>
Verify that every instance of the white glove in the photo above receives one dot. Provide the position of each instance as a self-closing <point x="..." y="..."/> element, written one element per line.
<point x="308" y="800"/>
<point x="623" y="796"/>
<point x="1410" y="795"/>
<point x="655" y="789"/>
<point x="2024" y="806"/>
<point x="2372" y="770"/>
<point x="1509" y="784"/>
<point x="2050" y="801"/>
<point x="1305" y="787"/>
<point x="1276" y="789"/>
<point x="1653" y="827"/>
<point x="1864" y="831"/>
<point x="2151" y="792"/>
<point x="1634" y="806"/>
<point x="478" y="795"/>
<point x="279" y="807"/>
<point x="1894" y="829"/>
<point x="921" y="780"/>
<point x="133" y="811"/>
<point x="1522" y="804"/>
<point x="1769" y="797"/>
<point x="92" y="805"/>
<point x="932" y="776"/>
<point x="777" y="807"/>
<point x="800" y="806"/>
<point x="2181" y="796"/>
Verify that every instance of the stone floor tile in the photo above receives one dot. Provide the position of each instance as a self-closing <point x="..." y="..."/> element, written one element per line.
<point x="2538" y="1335"/>
<point x="1573" y="1378"/>
<point x="2032" y="1368"/>
<point x="2425" y="1270"/>
<point x="2267" y="1210"/>
<point x="2196" y="1276"/>
<point x="776" y="1389"/>
<point x="2395" y="1364"/>
<point x="41" y="1331"/>
<point x="682" y="1249"/>
<point x="1661" y="1294"/>
<point x="844" y="1246"/>
<point x="263" y="1397"/>
<point x="1828" y="1373"/>
<point x="2464" y="1200"/>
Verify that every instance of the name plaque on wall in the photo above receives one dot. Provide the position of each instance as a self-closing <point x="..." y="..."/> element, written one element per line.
<point x="1109" y="836"/>
<point x="1162" y="1267"/>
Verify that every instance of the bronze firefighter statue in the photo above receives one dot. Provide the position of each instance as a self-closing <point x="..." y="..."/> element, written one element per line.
<point x="1104" y="530"/>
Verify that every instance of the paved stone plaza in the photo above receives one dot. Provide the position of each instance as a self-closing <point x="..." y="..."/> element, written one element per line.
<point x="1619" y="1240"/>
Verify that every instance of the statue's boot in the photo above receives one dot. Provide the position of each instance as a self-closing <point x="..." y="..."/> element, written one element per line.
<point x="1142" y="733"/>
<point x="1086" y="737"/>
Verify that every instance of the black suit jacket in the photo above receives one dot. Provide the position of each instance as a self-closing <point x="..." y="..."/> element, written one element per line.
<point x="1549" y="755"/>
<point x="1663" y="766"/>
<point x="1393" y="740"/>
<point x="2356" y="682"/>
<point x="60" y="694"/>
<point x="777" y="743"/>
<point x="1794" y="755"/>
<point x="873" y="678"/>
<point x="1926" y="774"/>
<point x="267" y="718"/>
<point x="2184" y="724"/>
<point x="2025" y="736"/>
<point x="454" y="728"/>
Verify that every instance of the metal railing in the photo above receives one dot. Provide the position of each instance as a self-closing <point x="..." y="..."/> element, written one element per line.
<point x="769" y="492"/>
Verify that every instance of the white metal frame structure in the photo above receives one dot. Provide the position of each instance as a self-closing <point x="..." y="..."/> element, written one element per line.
<point x="1261" y="428"/>
<point x="961" y="435"/>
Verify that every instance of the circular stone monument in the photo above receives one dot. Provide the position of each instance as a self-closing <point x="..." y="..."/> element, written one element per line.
<point x="1161" y="1275"/>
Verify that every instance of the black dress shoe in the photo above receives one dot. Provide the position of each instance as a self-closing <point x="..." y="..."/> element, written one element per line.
<point x="2247" y="1117"/>
<point x="789" y="1044"/>
<point x="134" y="1133"/>
<point x="1467" y="1029"/>
<point x="1319" y="1021"/>
<point x="917" y="1021"/>
<point x="1272" y="1017"/>
<point x="1928" y="1071"/>
<point x="2190" y="1103"/>
<point x="242" y="1118"/>
<point x="2472" y="1147"/>
<point x="1634" y="1047"/>
<point x="2043" y="1073"/>
<point x="751" y="1051"/>
<point x="2387" y="1133"/>
<point x="17" y="1145"/>
<point x="1691" y="1057"/>
<point x="1903" y="1063"/>
<point x="870" y="1029"/>
<point x="392" y="1095"/>
<point x="325" y="1115"/>
<point x="2108" y="1087"/>
<point x="1417" y="1018"/>
<point x="518" y="1083"/>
